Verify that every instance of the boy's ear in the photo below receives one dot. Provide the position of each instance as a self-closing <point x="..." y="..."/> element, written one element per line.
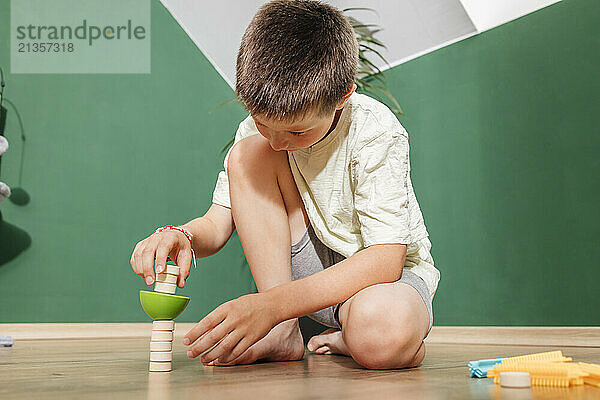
<point x="346" y="97"/>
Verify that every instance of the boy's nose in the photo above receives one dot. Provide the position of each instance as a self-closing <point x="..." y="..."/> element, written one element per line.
<point x="277" y="145"/>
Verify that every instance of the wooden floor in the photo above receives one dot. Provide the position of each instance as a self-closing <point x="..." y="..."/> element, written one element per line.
<point x="116" y="369"/>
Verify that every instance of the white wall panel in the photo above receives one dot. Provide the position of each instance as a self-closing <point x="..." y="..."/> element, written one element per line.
<point x="487" y="14"/>
<point x="411" y="28"/>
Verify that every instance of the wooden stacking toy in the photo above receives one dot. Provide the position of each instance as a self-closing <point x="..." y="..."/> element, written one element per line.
<point x="161" y="345"/>
<point x="163" y="306"/>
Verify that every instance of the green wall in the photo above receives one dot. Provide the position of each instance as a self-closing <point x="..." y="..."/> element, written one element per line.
<point x="504" y="148"/>
<point x="108" y="159"/>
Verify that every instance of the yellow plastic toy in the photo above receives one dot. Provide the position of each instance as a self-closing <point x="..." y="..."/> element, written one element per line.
<point x="552" y="356"/>
<point x="594" y="374"/>
<point x="549" y="369"/>
<point x="543" y="373"/>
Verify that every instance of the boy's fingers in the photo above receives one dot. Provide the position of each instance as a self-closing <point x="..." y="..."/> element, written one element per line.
<point x="135" y="264"/>
<point x="147" y="255"/>
<point x="162" y="252"/>
<point x="237" y="351"/>
<point x="184" y="260"/>
<point x="223" y="349"/>
<point x="209" y="340"/>
<point x="207" y="323"/>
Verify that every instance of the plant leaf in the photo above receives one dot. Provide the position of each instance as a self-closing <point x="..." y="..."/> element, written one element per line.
<point x="363" y="25"/>
<point x="234" y="100"/>
<point x="371" y="40"/>
<point x="227" y="146"/>
<point x="360" y="9"/>
<point x="373" y="66"/>
<point x="368" y="48"/>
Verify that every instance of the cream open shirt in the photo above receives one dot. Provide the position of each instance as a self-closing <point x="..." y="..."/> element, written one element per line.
<point x="356" y="187"/>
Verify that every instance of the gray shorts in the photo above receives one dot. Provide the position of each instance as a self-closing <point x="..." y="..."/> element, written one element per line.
<point x="310" y="255"/>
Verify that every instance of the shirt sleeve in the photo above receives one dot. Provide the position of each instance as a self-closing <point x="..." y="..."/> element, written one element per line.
<point x="221" y="192"/>
<point x="381" y="170"/>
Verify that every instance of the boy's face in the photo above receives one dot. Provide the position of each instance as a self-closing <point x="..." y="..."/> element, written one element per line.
<point x="300" y="134"/>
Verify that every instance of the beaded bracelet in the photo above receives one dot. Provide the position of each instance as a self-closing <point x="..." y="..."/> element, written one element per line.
<point x="187" y="234"/>
<point x="175" y="228"/>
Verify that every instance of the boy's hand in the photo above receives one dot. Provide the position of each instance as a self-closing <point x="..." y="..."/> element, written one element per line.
<point x="233" y="327"/>
<point x="151" y="254"/>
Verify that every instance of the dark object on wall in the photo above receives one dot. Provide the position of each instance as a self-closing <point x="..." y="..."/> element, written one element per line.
<point x="19" y="196"/>
<point x="2" y="119"/>
<point x="13" y="241"/>
<point x="2" y="109"/>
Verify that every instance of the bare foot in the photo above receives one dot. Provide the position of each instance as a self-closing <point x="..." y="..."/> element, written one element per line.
<point x="283" y="343"/>
<point x="328" y="342"/>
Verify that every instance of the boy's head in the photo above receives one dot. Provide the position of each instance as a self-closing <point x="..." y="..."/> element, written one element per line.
<point x="295" y="67"/>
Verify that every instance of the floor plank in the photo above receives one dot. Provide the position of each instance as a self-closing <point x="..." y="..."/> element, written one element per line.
<point x="117" y="369"/>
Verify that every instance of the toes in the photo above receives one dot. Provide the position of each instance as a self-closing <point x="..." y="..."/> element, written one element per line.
<point x="239" y="360"/>
<point x="247" y="357"/>
<point x="314" y="343"/>
<point x="322" y="350"/>
<point x="323" y="339"/>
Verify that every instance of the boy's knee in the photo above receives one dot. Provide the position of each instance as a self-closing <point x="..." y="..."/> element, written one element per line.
<point x="253" y="150"/>
<point x="378" y="340"/>
<point x="243" y="152"/>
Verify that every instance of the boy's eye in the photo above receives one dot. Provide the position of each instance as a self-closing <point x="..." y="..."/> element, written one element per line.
<point x="296" y="133"/>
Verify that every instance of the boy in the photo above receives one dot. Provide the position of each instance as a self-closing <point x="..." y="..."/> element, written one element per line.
<point x="323" y="171"/>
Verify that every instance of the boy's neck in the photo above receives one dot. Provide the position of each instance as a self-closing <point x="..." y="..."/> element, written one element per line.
<point x="333" y="124"/>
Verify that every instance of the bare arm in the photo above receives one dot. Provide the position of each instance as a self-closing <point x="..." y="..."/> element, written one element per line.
<point x="236" y="325"/>
<point x="373" y="265"/>
<point x="211" y="231"/>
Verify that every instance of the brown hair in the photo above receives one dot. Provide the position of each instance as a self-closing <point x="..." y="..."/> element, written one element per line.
<point x="296" y="57"/>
